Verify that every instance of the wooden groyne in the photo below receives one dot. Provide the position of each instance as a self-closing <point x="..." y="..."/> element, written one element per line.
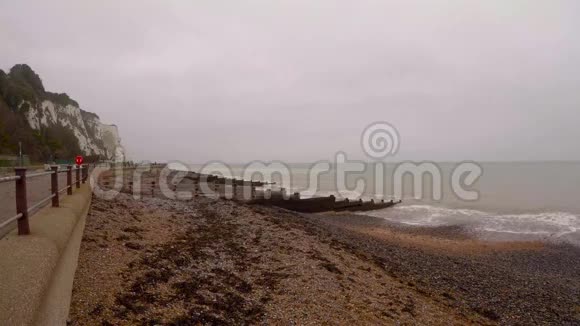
<point x="280" y="198"/>
<point x="193" y="185"/>
<point x="323" y="204"/>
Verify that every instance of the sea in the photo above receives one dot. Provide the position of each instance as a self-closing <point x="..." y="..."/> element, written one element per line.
<point x="514" y="200"/>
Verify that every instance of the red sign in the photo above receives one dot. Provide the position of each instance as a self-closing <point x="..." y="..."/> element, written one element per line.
<point x="79" y="160"/>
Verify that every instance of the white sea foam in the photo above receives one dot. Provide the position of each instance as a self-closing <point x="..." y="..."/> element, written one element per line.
<point x="547" y="224"/>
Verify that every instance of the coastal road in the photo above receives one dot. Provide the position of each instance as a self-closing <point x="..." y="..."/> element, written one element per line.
<point x="37" y="189"/>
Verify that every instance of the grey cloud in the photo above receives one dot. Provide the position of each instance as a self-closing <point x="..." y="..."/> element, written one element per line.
<point x="299" y="80"/>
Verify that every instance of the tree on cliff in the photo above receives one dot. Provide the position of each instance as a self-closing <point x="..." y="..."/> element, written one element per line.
<point x="19" y="89"/>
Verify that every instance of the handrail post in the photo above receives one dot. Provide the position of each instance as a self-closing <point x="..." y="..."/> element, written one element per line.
<point x="21" y="201"/>
<point x="54" y="185"/>
<point x="69" y="180"/>
<point x="78" y="176"/>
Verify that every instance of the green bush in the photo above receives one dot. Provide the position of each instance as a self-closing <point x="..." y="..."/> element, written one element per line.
<point x="55" y="142"/>
<point x="60" y="98"/>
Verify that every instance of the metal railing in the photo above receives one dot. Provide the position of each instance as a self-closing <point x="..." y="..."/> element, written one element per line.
<point x="23" y="211"/>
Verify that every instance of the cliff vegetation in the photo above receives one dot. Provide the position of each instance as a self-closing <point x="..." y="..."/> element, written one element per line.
<point x="21" y="90"/>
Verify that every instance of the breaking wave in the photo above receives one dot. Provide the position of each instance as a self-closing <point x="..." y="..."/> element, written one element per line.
<point x="543" y="224"/>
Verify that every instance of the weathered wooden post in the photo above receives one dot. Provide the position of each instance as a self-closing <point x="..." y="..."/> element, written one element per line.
<point x="21" y="201"/>
<point x="268" y="194"/>
<point x="54" y="185"/>
<point x="152" y="188"/>
<point x="69" y="180"/>
<point x="78" y="176"/>
<point x="234" y="189"/>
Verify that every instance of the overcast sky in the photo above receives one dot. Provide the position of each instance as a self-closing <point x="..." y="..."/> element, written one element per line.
<point x="299" y="80"/>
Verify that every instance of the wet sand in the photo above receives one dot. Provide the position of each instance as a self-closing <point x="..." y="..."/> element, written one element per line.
<point x="205" y="261"/>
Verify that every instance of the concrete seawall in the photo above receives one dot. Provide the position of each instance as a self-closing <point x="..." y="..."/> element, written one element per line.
<point x="37" y="270"/>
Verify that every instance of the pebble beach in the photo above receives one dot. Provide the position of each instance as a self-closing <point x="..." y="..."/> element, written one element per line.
<point x="165" y="262"/>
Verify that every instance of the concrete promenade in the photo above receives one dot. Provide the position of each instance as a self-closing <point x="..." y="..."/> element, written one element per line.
<point x="37" y="270"/>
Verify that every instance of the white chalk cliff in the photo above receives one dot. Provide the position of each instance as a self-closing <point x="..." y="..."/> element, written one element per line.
<point x="94" y="137"/>
<point x="55" y="121"/>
